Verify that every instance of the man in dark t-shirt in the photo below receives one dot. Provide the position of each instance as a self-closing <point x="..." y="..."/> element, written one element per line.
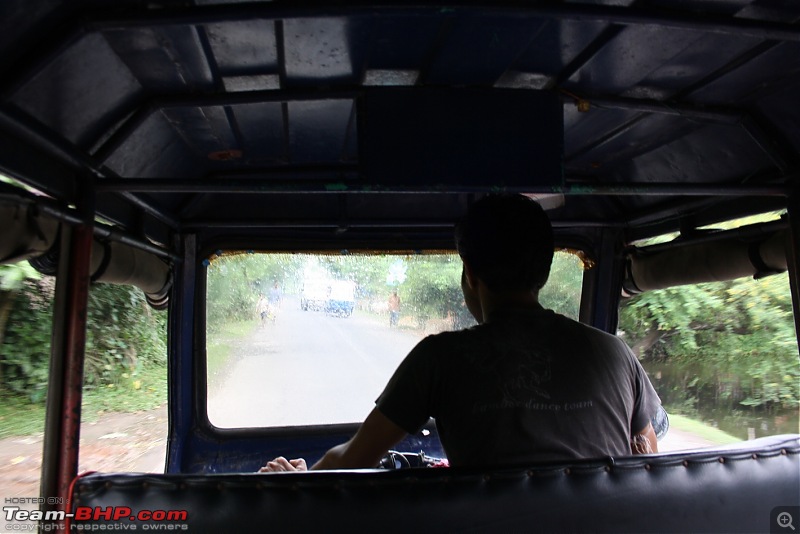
<point x="527" y="385"/>
<point x="523" y="385"/>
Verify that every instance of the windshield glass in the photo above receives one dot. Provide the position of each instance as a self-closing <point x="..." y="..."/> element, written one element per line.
<point x="310" y="339"/>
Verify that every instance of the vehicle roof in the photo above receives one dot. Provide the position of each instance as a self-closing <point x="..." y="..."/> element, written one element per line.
<point x="181" y="115"/>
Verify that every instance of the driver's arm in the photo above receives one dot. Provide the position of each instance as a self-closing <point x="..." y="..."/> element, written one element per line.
<point x="374" y="438"/>
<point x="645" y="441"/>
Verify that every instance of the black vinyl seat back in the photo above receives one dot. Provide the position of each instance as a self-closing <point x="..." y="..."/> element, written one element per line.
<point x="737" y="488"/>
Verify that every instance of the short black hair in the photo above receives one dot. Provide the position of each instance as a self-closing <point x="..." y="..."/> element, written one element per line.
<point x="507" y="239"/>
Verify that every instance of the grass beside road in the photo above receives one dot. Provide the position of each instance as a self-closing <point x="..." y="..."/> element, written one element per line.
<point x="701" y="429"/>
<point x="218" y="344"/>
<point x="140" y="390"/>
<point x="20" y="418"/>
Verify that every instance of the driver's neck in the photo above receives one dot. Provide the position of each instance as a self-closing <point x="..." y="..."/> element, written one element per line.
<point x="493" y="302"/>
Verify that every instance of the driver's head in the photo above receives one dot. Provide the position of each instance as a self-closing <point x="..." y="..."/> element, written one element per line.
<point x="507" y="240"/>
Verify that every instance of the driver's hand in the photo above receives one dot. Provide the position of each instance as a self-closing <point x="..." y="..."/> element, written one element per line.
<point x="282" y="464"/>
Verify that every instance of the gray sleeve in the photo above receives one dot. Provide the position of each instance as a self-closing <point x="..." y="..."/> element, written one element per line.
<point x="406" y="399"/>
<point x="646" y="400"/>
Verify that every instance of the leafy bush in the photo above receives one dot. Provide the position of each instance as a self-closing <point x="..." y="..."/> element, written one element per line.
<point x="731" y="341"/>
<point x="123" y="335"/>
<point x="235" y="282"/>
<point x="26" y="345"/>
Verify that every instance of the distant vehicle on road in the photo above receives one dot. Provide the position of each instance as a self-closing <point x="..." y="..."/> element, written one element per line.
<point x="314" y="295"/>
<point x="341" y="299"/>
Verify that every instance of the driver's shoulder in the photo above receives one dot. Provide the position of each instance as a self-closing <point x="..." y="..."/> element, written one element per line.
<point x="455" y="340"/>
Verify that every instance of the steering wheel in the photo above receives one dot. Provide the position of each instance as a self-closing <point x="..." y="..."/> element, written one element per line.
<point x="407" y="460"/>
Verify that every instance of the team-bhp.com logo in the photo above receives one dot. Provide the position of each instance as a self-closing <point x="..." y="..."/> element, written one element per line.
<point x="118" y="513"/>
<point x="92" y="518"/>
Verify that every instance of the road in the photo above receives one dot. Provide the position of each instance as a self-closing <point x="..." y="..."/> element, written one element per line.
<point x="307" y="368"/>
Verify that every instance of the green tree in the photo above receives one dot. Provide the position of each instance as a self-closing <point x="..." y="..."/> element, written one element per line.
<point x="367" y="271"/>
<point x="25" y="347"/>
<point x="562" y="293"/>
<point x="235" y="282"/>
<point x="13" y="365"/>
<point x="12" y="280"/>
<point x="731" y="341"/>
<point x="432" y="287"/>
<point x="123" y="334"/>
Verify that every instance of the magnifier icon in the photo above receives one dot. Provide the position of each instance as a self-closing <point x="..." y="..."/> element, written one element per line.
<point x="785" y="520"/>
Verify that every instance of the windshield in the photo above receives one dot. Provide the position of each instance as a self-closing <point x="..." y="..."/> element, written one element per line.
<point x="310" y="339"/>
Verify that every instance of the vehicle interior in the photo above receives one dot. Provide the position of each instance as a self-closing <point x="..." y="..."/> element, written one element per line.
<point x="147" y="143"/>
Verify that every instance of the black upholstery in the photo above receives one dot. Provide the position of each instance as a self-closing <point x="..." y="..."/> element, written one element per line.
<point x="725" y="489"/>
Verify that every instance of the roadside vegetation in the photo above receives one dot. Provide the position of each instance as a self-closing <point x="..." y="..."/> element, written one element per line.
<point x="219" y="343"/>
<point x="125" y="367"/>
<point x="428" y="285"/>
<point x="724" y="352"/>
<point x="726" y="348"/>
<point x="701" y="430"/>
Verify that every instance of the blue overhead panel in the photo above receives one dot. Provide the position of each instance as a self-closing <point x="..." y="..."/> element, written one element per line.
<point x="63" y="97"/>
<point x="164" y="106"/>
<point x="477" y="51"/>
<point x="442" y="139"/>
<point x="318" y="130"/>
<point x="772" y="64"/>
<point x="402" y="43"/>
<point x="165" y="59"/>
<point x="713" y="153"/>
<point x="154" y="150"/>
<point x="244" y="48"/>
<point x="262" y="132"/>
<point x="553" y="46"/>
<point x="324" y="50"/>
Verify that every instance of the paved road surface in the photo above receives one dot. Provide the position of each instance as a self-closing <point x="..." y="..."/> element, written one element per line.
<point x="308" y="368"/>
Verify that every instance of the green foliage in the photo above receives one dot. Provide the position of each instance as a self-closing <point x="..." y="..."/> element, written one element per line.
<point x="26" y="344"/>
<point x="124" y="337"/>
<point x="219" y="343"/>
<point x="13" y="276"/>
<point x="123" y="334"/>
<point x="562" y="293"/>
<point x="732" y="341"/>
<point x="432" y="288"/>
<point x="236" y="281"/>
<point x="368" y="272"/>
<point x="18" y="417"/>
<point x="701" y="430"/>
<point x="142" y="389"/>
<point x="429" y="285"/>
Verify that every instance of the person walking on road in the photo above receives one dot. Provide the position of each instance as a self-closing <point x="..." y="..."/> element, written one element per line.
<point x="394" y="309"/>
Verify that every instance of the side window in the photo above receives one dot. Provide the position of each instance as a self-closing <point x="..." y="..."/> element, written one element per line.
<point x="124" y="415"/>
<point x="310" y="339"/>
<point x="723" y="357"/>
<point x="125" y="382"/>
